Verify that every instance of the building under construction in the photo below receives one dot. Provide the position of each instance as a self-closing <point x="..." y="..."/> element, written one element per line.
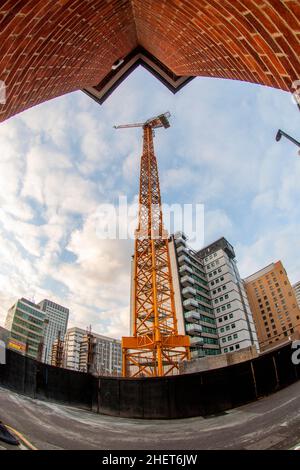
<point x="155" y="348"/>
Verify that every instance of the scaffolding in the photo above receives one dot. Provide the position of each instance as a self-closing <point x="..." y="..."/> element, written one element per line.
<point x="57" y="352"/>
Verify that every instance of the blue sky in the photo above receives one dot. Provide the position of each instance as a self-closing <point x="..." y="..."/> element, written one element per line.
<point x="61" y="159"/>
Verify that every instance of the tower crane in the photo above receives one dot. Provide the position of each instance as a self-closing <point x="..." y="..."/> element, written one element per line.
<point x="155" y="347"/>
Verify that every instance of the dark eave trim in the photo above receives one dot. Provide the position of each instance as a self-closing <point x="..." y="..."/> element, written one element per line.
<point x="139" y="56"/>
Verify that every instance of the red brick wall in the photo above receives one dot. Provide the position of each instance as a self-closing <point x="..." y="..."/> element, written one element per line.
<point x="51" y="47"/>
<point x="252" y="40"/>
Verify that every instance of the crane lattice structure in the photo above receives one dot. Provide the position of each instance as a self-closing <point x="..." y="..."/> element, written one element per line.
<point x="156" y="348"/>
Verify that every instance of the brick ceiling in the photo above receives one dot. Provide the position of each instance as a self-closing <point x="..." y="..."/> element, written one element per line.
<point x="51" y="47"/>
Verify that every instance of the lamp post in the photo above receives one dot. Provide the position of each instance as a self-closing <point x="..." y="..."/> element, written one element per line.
<point x="281" y="133"/>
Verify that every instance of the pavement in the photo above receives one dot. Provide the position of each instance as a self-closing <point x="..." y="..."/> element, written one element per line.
<point x="269" y="423"/>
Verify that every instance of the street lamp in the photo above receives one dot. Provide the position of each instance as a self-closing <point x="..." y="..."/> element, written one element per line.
<point x="281" y="133"/>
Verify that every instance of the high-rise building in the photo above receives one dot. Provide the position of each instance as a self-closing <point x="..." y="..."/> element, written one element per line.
<point x="26" y="323"/>
<point x="56" y="325"/>
<point x="273" y="303"/>
<point x="211" y="303"/>
<point x="296" y="288"/>
<point x="92" y="352"/>
<point x="193" y="303"/>
<point x="235" y="324"/>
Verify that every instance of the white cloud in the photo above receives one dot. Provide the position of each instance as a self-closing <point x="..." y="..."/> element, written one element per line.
<point x="217" y="224"/>
<point x="62" y="159"/>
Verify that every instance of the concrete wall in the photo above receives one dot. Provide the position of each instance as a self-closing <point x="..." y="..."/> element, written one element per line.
<point x="221" y="360"/>
<point x="198" y="394"/>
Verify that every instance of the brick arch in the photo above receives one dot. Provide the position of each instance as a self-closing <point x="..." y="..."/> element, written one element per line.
<point x="51" y="47"/>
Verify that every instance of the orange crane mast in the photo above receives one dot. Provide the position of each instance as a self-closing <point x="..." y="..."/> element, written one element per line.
<point x="156" y="348"/>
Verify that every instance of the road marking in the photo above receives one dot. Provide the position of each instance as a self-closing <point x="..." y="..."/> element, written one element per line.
<point x="22" y="438"/>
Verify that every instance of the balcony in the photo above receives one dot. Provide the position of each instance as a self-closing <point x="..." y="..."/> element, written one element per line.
<point x="185" y="269"/>
<point x="187" y="280"/>
<point x="181" y="250"/>
<point x="189" y="292"/>
<point x="197" y="353"/>
<point x="190" y="304"/>
<point x="194" y="329"/>
<point x="183" y="259"/>
<point x="196" y="341"/>
<point x="180" y="241"/>
<point x="192" y="316"/>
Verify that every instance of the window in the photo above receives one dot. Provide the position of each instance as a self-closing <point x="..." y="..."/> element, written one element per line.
<point x="237" y="346"/>
<point x="227" y="328"/>
<point x="222" y="330"/>
<point x="225" y="318"/>
<point x="235" y="335"/>
<point x="229" y="338"/>
<point x="233" y="325"/>
<point x="223" y="340"/>
<point x="231" y="348"/>
<point x="231" y="315"/>
<point x="225" y="350"/>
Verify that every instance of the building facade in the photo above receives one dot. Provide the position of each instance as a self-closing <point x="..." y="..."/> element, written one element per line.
<point x="91" y="352"/>
<point x="296" y="288"/>
<point x="193" y="303"/>
<point x="211" y="303"/>
<point x="274" y="305"/>
<point x="235" y="323"/>
<point x="56" y="317"/>
<point x="26" y="323"/>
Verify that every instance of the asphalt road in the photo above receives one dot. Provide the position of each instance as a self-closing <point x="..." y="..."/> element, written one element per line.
<point x="270" y="423"/>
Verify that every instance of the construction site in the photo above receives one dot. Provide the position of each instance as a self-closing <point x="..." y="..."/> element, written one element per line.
<point x="158" y="398"/>
<point x="151" y="386"/>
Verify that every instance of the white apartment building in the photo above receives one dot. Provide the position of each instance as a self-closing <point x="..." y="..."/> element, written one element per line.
<point x="235" y="324"/>
<point x="296" y="288"/>
<point x="56" y="317"/>
<point x="193" y="303"/>
<point x="210" y="299"/>
<point x="106" y="352"/>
